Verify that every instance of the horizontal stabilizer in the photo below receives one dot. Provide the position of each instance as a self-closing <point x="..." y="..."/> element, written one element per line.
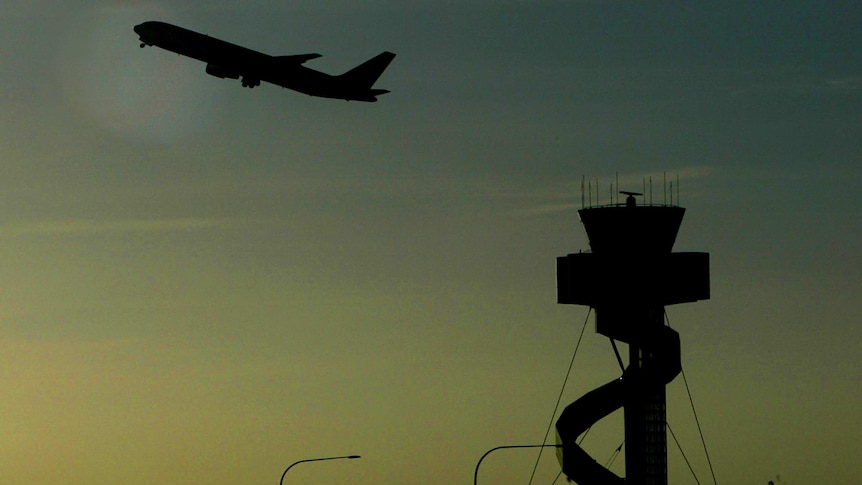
<point x="298" y="58"/>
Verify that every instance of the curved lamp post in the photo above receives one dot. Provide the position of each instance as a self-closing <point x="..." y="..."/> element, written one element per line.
<point x="476" y="473"/>
<point x="348" y="457"/>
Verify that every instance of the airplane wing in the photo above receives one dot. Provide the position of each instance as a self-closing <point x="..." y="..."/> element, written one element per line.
<point x="298" y="59"/>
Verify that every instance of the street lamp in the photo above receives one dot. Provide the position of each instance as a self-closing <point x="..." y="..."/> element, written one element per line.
<point x="476" y="473"/>
<point x="349" y="457"/>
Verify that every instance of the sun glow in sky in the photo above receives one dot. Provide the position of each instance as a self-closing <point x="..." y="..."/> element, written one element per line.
<point x="201" y="283"/>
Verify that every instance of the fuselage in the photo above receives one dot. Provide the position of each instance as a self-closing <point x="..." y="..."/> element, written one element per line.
<point x="195" y="45"/>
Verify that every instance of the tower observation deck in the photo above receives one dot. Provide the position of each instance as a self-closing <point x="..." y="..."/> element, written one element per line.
<point x="628" y="277"/>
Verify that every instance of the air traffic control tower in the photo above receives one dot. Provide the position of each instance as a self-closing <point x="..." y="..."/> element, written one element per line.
<point x="628" y="277"/>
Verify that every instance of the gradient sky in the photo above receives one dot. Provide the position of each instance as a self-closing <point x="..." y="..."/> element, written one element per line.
<point x="201" y="284"/>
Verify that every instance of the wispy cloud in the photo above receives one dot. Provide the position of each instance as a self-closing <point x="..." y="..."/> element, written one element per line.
<point x="547" y="209"/>
<point x="849" y="84"/>
<point x="792" y="84"/>
<point x="89" y="227"/>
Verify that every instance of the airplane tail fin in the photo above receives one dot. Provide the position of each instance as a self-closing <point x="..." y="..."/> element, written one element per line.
<point x="366" y="74"/>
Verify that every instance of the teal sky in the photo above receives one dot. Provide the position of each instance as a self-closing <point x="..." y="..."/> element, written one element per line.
<point x="201" y="283"/>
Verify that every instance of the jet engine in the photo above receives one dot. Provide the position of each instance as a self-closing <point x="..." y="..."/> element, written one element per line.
<point x="221" y="72"/>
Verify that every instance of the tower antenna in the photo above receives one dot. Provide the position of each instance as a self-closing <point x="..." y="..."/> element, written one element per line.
<point x="664" y="187"/>
<point x="650" y="190"/>
<point x="582" y="191"/>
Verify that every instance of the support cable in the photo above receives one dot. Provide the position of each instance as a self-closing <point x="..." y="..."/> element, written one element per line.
<point x="558" y="477"/>
<point x="617" y="353"/>
<point x="584" y="436"/>
<point x="560" y="397"/>
<point x="694" y="411"/>
<point x="699" y="430"/>
<point x="614" y="456"/>
<point x="580" y="440"/>
<point x="682" y="452"/>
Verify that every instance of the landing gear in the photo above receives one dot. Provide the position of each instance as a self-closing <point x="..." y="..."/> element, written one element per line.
<point x="250" y="83"/>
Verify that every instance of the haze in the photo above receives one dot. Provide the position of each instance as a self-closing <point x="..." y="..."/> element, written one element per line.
<point x="203" y="284"/>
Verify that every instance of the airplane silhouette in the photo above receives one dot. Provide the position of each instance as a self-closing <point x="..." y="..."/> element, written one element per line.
<point x="226" y="60"/>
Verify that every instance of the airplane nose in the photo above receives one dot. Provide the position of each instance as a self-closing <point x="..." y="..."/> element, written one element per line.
<point x="147" y="27"/>
<point x="144" y="33"/>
